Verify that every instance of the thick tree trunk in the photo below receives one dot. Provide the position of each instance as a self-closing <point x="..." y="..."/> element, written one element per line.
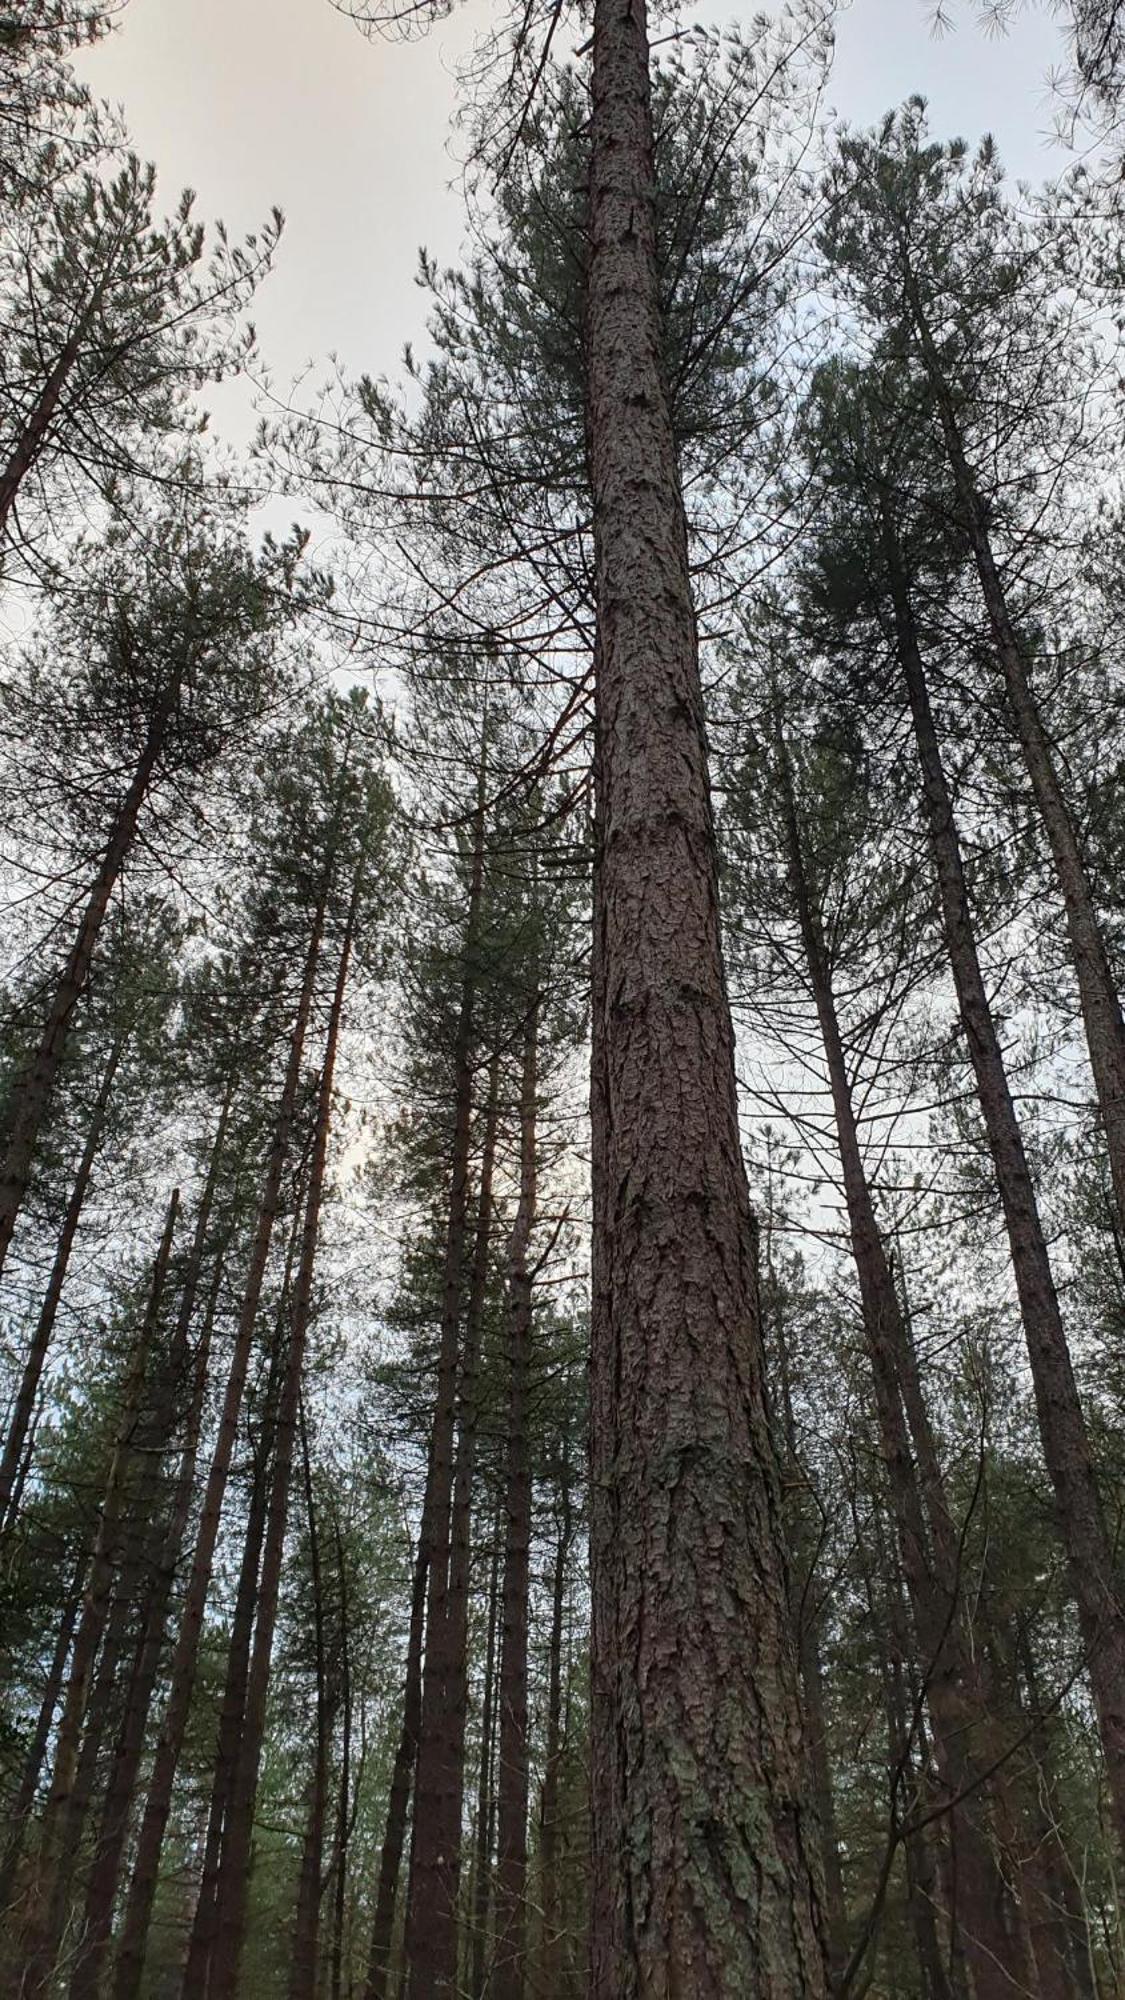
<point x="45" y="1324"/>
<point x="65" y="1807"/>
<point x="953" y="1685"/>
<point x="509" y="1978"/>
<point x="142" y="1888"/>
<point x="1097" y="990"/>
<point x="435" y="1859"/>
<point x="704" y="1856"/>
<point x="235" y="1866"/>
<point x="1066" y="1447"/>
<point x="32" y="1094"/>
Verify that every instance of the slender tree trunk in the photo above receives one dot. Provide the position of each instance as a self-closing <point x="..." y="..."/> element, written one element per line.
<point x="310" y="1887"/>
<point x="435" y="1860"/>
<point x="113" y="1831"/>
<point x="460" y="1555"/>
<point x="486" y="1791"/>
<point x="32" y="1094"/>
<point x="812" y="1678"/>
<point x="21" y="1810"/>
<point x="343" y="1802"/>
<point x="65" y="1808"/>
<point x="165" y="1541"/>
<point x="234" y="1874"/>
<point x="48" y="1311"/>
<point x="1097" y="990"/>
<point x="996" y="1961"/>
<point x="904" y="1766"/>
<point x="1059" y="1930"/>
<point x="1066" y="1447"/>
<point x="36" y="430"/>
<point x="704" y="1858"/>
<point x="510" y="1973"/>
<point x="142" y="1888"/>
<point x="549" y="1842"/>
<point x="232" y="1709"/>
<point x="398" y="1803"/>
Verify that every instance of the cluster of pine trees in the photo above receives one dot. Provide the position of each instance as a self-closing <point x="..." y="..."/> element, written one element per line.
<point x="550" y="1445"/>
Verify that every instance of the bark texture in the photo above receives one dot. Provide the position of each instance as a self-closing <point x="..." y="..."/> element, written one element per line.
<point x="704" y="1854"/>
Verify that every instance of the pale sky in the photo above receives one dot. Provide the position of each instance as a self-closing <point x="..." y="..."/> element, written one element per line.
<point x="255" y="102"/>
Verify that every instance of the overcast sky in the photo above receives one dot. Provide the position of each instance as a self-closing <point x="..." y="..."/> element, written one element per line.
<point x="256" y="102"/>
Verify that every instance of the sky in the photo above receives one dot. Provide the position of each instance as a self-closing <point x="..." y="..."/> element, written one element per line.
<point x="257" y="102"/>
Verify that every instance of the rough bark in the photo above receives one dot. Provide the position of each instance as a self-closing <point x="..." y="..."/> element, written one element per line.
<point x="1062" y="1429"/>
<point x="142" y="1888"/>
<point x="509" y="1977"/>
<point x="28" y="1390"/>
<point x="704" y="1856"/>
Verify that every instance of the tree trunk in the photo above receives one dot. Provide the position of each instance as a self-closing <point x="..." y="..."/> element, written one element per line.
<point x="142" y="1888"/>
<point x="510" y="1972"/>
<point x="232" y="1709"/>
<point x="953" y="1688"/>
<point x="48" y="1311"/>
<point x="486" y="1791"/>
<point x="20" y="1812"/>
<point x="704" y="1858"/>
<point x="435" y="1859"/>
<point x="1062" y="1429"/>
<point x="234" y="1873"/>
<point x="343" y="1803"/>
<point x="398" y="1802"/>
<point x="310" y="1887"/>
<point x="1097" y="991"/>
<point x="32" y="1094"/>
<point x="163" y="1543"/>
<point x="101" y="1890"/>
<point x="35" y="431"/>
<point x="550" y="1981"/>
<point x="65" y="1808"/>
